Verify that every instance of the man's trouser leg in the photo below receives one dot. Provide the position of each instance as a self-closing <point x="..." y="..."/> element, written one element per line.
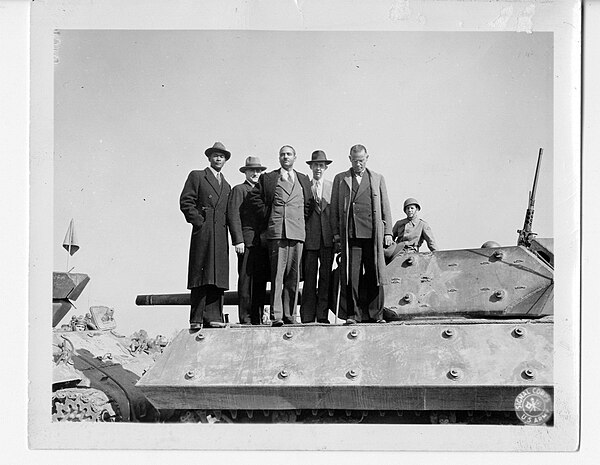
<point x="308" y="310"/>
<point x="373" y="309"/>
<point x="258" y="268"/>
<point x="355" y="250"/>
<point x="293" y="254"/>
<point x="244" y="287"/>
<point x="325" y="265"/>
<point x="277" y="262"/>
<point x="206" y="304"/>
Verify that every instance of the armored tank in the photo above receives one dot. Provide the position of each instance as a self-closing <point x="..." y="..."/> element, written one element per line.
<point x="468" y="331"/>
<point x="94" y="368"/>
<point x="468" y="338"/>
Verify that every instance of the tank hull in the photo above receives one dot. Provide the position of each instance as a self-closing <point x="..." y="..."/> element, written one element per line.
<point x="459" y="365"/>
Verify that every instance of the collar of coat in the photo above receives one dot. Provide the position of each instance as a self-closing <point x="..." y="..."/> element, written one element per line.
<point x="212" y="180"/>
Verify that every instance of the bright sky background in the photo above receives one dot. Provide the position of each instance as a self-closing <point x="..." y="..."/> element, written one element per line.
<point x="454" y="119"/>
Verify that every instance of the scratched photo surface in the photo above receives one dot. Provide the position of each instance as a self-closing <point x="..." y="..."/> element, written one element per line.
<point x="463" y="121"/>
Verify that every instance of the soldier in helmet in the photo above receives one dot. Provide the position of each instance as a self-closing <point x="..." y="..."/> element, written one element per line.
<point x="410" y="232"/>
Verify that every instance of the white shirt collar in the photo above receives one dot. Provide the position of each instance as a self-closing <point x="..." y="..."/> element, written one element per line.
<point x="284" y="173"/>
<point x="215" y="172"/>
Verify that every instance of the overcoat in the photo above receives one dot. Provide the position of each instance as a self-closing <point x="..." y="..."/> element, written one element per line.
<point x="204" y="204"/>
<point x="382" y="217"/>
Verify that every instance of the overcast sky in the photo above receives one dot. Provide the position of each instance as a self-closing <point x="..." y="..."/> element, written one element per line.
<point x="454" y="119"/>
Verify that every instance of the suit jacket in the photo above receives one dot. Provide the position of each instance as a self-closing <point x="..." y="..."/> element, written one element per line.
<point x="380" y="211"/>
<point x="318" y="225"/>
<point x="240" y="217"/>
<point x="260" y="199"/>
<point x="204" y="204"/>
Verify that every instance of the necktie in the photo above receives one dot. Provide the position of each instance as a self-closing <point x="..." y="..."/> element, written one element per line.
<point x="317" y="196"/>
<point x="219" y="178"/>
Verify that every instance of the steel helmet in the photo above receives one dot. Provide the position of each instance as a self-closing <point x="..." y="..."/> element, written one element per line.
<point x="489" y="245"/>
<point x="411" y="201"/>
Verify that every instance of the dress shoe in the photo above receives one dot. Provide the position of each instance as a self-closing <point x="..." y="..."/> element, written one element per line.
<point x="217" y="324"/>
<point x="276" y="323"/>
<point x="350" y="321"/>
<point x="325" y="321"/>
<point x="381" y="321"/>
<point x="195" y="326"/>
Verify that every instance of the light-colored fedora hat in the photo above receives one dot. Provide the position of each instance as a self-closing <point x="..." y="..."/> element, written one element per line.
<point x="252" y="163"/>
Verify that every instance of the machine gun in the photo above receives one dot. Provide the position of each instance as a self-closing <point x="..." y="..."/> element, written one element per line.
<point x="525" y="234"/>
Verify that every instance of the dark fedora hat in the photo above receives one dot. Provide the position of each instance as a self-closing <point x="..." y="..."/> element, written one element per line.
<point x="252" y="163"/>
<point x="218" y="147"/>
<point x="319" y="156"/>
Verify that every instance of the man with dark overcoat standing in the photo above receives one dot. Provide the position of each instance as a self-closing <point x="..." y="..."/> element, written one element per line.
<point x="282" y="200"/>
<point x="362" y="228"/>
<point x="318" y="246"/>
<point x="253" y="265"/>
<point x="203" y="202"/>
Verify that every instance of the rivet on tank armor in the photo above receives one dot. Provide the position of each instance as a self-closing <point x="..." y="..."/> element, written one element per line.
<point x="283" y="374"/>
<point x="354" y="333"/>
<point x="528" y="374"/>
<point x="500" y="294"/>
<point x="288" y="335"/>
<point x="499" y="254"/>
<point x="408" y="297"/>
<point x="410" y="260"/>
<point x="448" y="333"/>
<point x="454" y="373"/>
<point x="200" y="337"/>
<point x="518" y="332"/>
<point x="352" y="374"/>
<point x="191" y="374"/>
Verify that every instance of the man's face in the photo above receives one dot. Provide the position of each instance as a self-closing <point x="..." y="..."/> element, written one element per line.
<point x="287" y="157"/>
<point x="411" y="211"/>
<point x="359" y="161"/>
<point x="252" y="175"/>
<point x="318" y="168"/>
<point x="217" y="160"/>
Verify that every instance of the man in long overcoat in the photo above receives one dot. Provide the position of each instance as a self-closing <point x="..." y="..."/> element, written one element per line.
<point x="362" y="228"/>
<point x="203" y="202"/>
<point x="282" y="200"/>
<point x="253" y="259"/>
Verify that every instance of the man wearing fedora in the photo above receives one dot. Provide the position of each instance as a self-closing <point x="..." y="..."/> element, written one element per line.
<point x="282" y="200"/>
<point x="318" y="246"/>
<point x="252" y="257"/>
<point x="203" y="202"/>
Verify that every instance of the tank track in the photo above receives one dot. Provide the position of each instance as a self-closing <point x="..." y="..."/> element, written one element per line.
<point x="341" y="416"/>
<point x="82" y="404"/>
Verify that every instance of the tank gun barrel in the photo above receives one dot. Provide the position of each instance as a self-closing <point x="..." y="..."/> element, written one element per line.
<point x="230" y="298"/>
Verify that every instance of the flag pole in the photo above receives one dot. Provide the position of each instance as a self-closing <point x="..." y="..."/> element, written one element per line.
<point x="68" y="255"/>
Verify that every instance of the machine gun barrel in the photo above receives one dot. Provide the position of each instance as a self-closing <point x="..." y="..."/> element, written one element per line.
<point x="525" y="234"/>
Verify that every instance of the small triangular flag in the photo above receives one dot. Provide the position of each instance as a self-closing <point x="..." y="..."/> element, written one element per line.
<point x="70" y="241"/>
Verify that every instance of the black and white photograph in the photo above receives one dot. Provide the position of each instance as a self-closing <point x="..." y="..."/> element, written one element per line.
<point x="349" y="227"/>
